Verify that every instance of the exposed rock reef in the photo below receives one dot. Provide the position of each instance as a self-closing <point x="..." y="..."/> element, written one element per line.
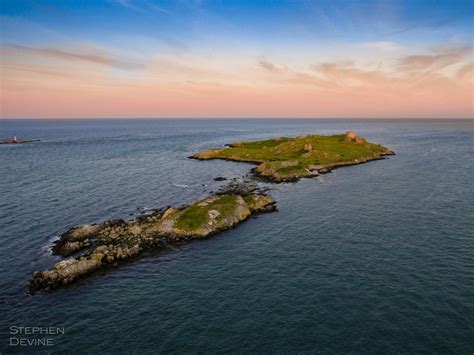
<point x="109" y="243"/>
<point x="289" y="159"/>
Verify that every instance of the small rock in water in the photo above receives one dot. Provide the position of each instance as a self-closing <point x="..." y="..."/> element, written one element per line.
<point x="238" y="188"/>
<point x="220" y="178"/>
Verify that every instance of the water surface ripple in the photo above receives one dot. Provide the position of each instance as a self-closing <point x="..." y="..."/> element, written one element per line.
<point x="371" y="258"/>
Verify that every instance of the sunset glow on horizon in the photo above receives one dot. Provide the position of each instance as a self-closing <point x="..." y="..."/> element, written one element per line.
<point x="209" y="59"/>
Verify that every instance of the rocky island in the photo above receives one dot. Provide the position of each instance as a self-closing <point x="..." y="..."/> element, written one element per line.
<point x="93" y="247"/>
<point x="289" y="159"/>
<point x="112" y="242"/>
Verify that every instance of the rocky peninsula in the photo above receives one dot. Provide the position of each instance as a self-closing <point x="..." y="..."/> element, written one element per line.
<point x="289" y="159"/>
<point x="93" y="247"/>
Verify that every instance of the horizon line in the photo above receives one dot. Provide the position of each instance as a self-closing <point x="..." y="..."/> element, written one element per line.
<point x="234" y="118"/>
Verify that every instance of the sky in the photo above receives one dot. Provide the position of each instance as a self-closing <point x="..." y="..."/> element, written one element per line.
<point x="236" y="59"/>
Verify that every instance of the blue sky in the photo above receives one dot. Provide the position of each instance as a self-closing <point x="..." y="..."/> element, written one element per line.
<point x="198" y="24"/>
<point x="199" y="36"/>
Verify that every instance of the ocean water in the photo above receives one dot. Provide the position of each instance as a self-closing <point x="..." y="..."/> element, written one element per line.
<point x="374" y="258"/>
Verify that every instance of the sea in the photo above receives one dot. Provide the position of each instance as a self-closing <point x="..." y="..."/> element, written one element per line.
<point x="373" y="258"/>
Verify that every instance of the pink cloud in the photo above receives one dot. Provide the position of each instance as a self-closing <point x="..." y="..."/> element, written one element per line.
<point x="193" y="86"/>
<point x="67" y="55"/>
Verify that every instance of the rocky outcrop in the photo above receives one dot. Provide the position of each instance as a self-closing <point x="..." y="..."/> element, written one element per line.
<point x="283" y="171"/>
<point x="115" y="241"/>
<point x="260" y="203"/>
<point x="351" y="136"/>
<point x="215" y="219"/>
<point x="79" y="237"/>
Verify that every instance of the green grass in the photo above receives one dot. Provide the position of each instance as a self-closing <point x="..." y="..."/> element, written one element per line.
<point x="291" y="170"/>
<point x="269" y="143"/>
<point x="248" y="199"/>
<point x="194" y="216"/>
<point x="325" y="150"/>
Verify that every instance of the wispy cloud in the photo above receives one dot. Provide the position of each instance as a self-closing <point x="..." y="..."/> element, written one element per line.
<point x="466" y="72"/>
<point x="128" y="4"/>
<point x="396" y="76"/>
<point x="345" y="74"/>
<point x="67" y="55"/>
<point x="440" y="59"/>
<point x="142" y="6"/>
<point x="34" y="69"/>
<point x="270" y="67"/>
<point x="191" y="84"/>
<point x="384" y="46"/>
<point x="157" y="7"/>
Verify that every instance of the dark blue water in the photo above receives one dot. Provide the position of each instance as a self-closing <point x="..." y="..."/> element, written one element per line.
<point x="371" y="258"/>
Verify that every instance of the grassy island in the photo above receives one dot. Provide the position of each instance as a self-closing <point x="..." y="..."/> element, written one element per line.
<point x="288" y="159"/>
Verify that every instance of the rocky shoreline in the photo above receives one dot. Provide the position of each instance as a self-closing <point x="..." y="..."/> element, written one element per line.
<point x="107" y="244"/>
<point x="314" y="170"/>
